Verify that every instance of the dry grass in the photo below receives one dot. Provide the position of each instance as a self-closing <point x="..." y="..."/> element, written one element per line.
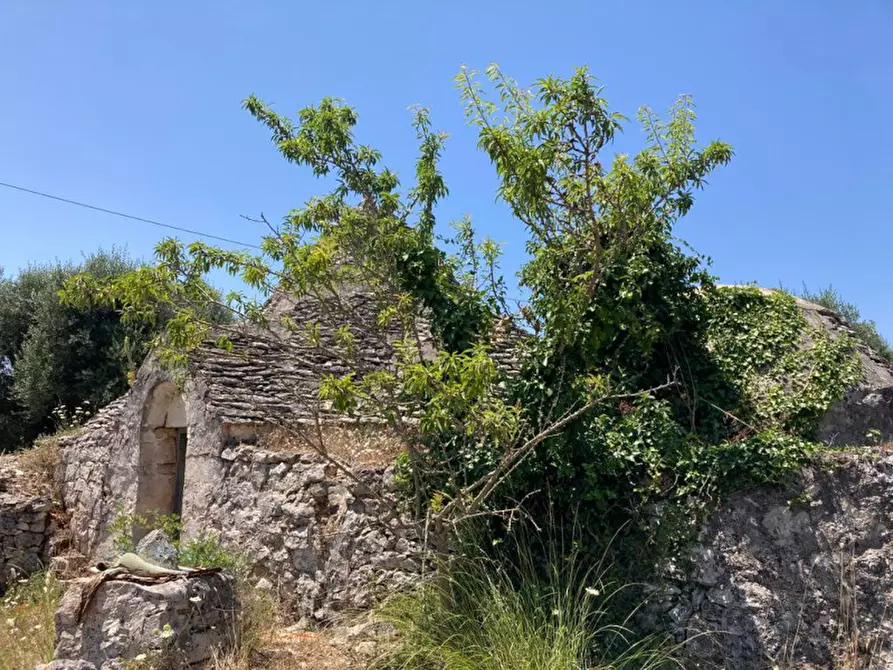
<point x="27" y="627"/>
<point x="33" y="471"/>
<point x="42" y="461"/>
<point x="264" y="642"/>
<point x="352" y="444"/>
<point x="853" y="648"/>
<point x="284" y="650"/>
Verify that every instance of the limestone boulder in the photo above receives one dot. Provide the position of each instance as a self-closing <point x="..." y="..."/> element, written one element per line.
<point x="157" y="548"/>
<point x="67" y="665"/>
<point x="182" y="621"/>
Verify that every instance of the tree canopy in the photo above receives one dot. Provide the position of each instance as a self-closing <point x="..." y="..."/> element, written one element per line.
<point x="56" y="360"/>
<point x="635" y="384"/>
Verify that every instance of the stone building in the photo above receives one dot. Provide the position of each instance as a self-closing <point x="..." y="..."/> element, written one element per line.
<point x="209" y="447"/>
<point x="212" y="449"/>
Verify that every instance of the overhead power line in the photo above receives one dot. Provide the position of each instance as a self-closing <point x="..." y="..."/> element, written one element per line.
<point x="127" y="216"/>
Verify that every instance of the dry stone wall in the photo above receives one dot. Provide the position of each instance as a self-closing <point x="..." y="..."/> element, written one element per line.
<point x="778" y="579"/>
<point x="93" y="465"/>
<point x="794" y="577"/>
<point x="25" y="529"/>
<point x="325" y="542"/>
<point x="101" y="467"/>
<point x="314" y="534"/>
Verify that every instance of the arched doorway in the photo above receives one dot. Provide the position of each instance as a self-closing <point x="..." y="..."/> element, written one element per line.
<point x="162" y="465"/>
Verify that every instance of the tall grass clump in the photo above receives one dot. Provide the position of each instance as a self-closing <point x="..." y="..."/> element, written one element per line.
<point x="27" y="622"/>
<point x="475" y="613"/>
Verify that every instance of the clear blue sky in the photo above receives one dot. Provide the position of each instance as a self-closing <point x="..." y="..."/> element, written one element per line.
<point x="136" y="106"/>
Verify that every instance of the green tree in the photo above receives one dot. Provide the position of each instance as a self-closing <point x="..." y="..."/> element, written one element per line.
<point x="635" y="387"/>
<point x="56" y="355"/>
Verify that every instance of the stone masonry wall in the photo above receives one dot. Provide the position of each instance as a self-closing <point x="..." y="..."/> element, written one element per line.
<point x="314" y="534"/>
<point x="311" y="532"/>
<point x="25" y="528"/>
<point x="100" y="469"/>
<point x="795" y="577"/>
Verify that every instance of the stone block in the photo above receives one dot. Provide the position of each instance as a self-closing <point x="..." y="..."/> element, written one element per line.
<point x="183" y="621"/>
<point x="157" y="548"/>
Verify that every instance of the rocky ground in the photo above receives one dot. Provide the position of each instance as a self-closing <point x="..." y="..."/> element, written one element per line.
<point x="338" y="649"/>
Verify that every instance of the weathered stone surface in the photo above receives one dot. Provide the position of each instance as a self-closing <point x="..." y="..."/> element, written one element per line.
<point x="322" y="540"/>
<point x="865" y="414"/>
<point x="25" y="527"/>
<point x="157" y="548"/>
<point x="312" y="532"/>
<point x="866" y="407"/>
<point x="67" y="665"/>
<point x="788" y="577"/>
<point x="68" y="565"/>
<point x="183" y="620"/>
<point x="319" y="537"/>
<point x="101" y="467"/>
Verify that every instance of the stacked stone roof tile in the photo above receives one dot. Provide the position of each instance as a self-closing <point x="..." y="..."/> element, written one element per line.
<point x="276" y="373"/>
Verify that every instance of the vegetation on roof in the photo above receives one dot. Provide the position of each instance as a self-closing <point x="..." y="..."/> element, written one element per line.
<point x="865" y="329"/>
<point x="644" y="394"/>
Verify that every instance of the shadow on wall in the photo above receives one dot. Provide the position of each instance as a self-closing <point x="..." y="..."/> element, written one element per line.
<point x="796" y="578"/>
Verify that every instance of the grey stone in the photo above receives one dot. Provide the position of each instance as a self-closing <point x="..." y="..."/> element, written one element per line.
<point x="264" y="584"/>
<point x="866" y="407"/>
<point x="67" y="665"/>
<point x="782" y="589"/>
<point x="183" y="621"/>
<point x="157" y="548"/>
<point x="24" y="535"/>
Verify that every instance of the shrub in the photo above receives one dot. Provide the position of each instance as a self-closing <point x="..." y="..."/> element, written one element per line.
<point x="201" y="551"/>
<point x="205" y="551"/>
<point x="122" y="527"/>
